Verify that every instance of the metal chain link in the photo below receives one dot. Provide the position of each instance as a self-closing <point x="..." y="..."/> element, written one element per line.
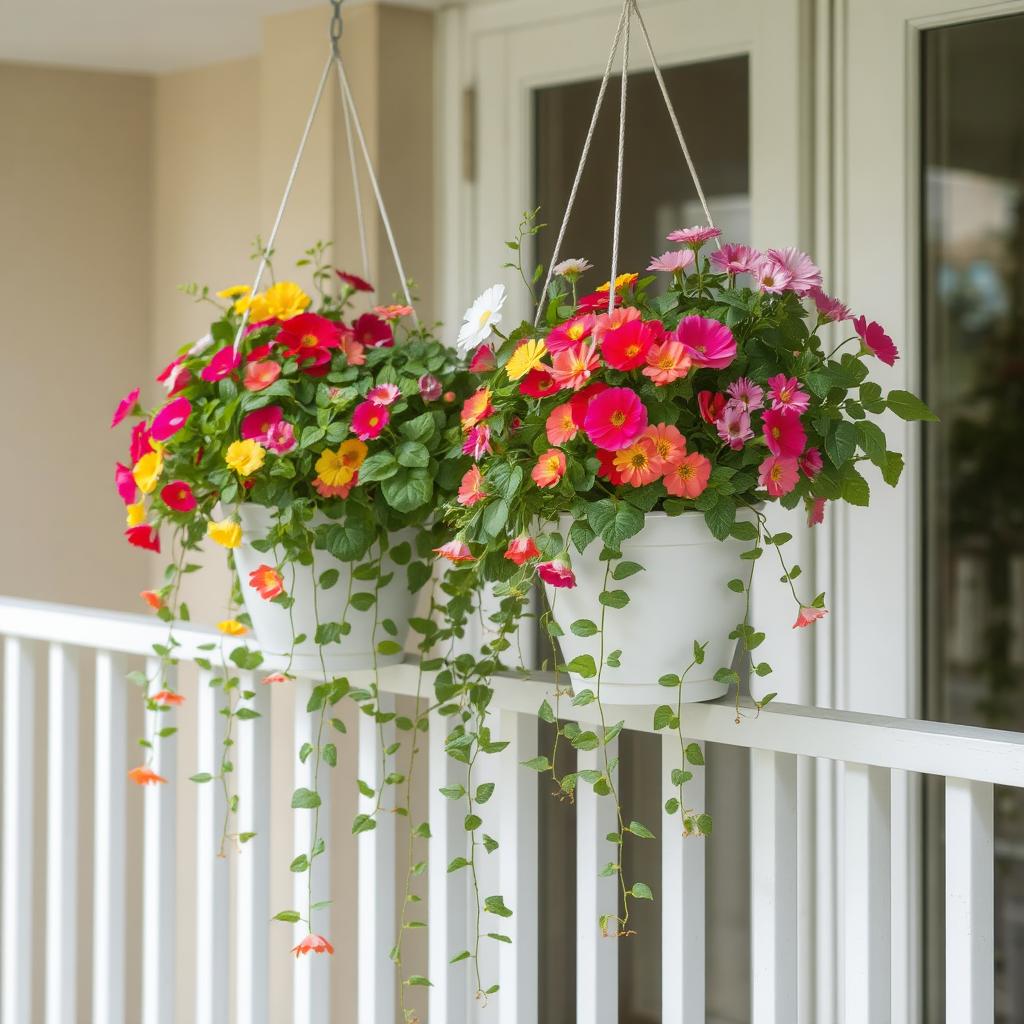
<point x="336" y="25"/>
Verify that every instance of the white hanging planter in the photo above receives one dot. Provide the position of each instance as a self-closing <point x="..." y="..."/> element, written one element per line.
<point x="681" y="597"/>
<point x="274" y="625"/>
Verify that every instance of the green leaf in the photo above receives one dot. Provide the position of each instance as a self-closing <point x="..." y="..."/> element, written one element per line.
<point x="418" y="979"/>
<point x="363" y="823"/>
<point x="380" y="466"/>
<point x="626" y="569"/>
<point x="640" y="831"/>
<point x="484" y="792"/>
<point x="305" y="798"/>
<point x="494" y="518"/>
<point x="472" y="822"/>
<point x="546" y="713"/>
<point x="614" y="598"/>
<point x="909" y="407"/>
<point x="330" y="754"/>
<point x="642" y="891"/>
<point x="583" y="665"/>
<point x="855" y="487"/>
<point x="201" y="777"/>
<point x="408" y="489"/>
<point x="288" y="916"/>
<point x="583" y="627"/>
<point x="872" y="441"/>
<point x="841" y="443"/>
<point x="694" y="754"/>
<point x="496" y="905"/>
<point x="737" y="586"/>
<point x="893" y="468"/>
<point x="537" y="764"/>
<point x="614" y="521"/>
<point x="664" y="716"/>
<point x="387" y="647"/>
<point x="453" y="792"/>
<point x="721" y="518"/>
<point x="411" y="454"/>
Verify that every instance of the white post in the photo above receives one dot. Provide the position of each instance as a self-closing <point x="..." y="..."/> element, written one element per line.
<point x="970" y="946"/>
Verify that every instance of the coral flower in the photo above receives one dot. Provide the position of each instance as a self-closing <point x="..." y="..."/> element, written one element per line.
<point x="811" y="463"/>
<point x="638" y="464"/>
<point x="804" y="274"/>
<point x="746" y="393"/>
<point x="667" y="362"/>
<point x="245" y="457"/>
<point x="527" y="357"/>
<point x="550" y="468"/>
<point x="690" y="478"/>
<point x="570" y="334"/>
<point x="170" y="419"/>
<point x="707" y="342"/>
<point x="476" y="408"/>
<point x="143" y="776"/>
<point x="152" y="598"/>
<point x="226" y="532"/>
<point x="275" y="677"/>
<point x="136" y="513"/>
<point x="168" y="699"/>
<point x="711" y="405"/>
<point x="784" y="433"/>
<point x="257" y="424"/>
<point x="430" y="387"/>
<point x="828" y="307"/>
<point x="281" y="301"/>
<point x="695" y="236"/>
<point x="538" y="384"/>
<point x="280" y="438"/>
<point x="673" y="261"/>
<point x="808" y="615"/>
<point x="339" y="491"/>
<point x="876" y="340"/>
<point x="605" y="322"/>
<point x="267" y="582"/>
<point x="483" y="360"/>
<point x="309" y="338"/>
<point x="785" y="393"/>
<point x="371" y="331"/>
<point x="816" y="512"/>
<point x="353" y="351"/>
<point x="478" y="441"/>
<point x="615" y="419"/>
<point x="734" y="426"/>
<point x="178" y="496"/>
<point x="626" y="347"/>
<point x="561" y="425"/>
<point x="383" y="394"/>
<point x="778" y="475"/>
<point x="337" y="468"/>
<point x="455" y="551"/>
<point x="368" y="420"/>
<point x="669" y="446"/>
<point x="521" y="550"/>
<point x="232" y="627"/>
<point x="260" y="375"/>
<point x="124" y="481"/>
<point x="222" y="365"/>
<point x="572" y="367"/>
<point x="735" y="259"/>
<point x="147" y="471"/>
<point x="354" y="281"/>
<point x="471" y="488"/>
<point x="313" y="944"/>
<point x="392" y="312"/>
<point x="557" y="574"/>
<point x="143" y="537"/>
<point x="125" y="406"/>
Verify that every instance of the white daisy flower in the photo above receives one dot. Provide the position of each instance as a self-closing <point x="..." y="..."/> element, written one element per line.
<point x="572" y="268"/>
<point x="201" y="345"/>
<point x="481" y="318"/>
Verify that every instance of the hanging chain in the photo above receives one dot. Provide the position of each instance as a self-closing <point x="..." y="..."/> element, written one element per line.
<point x="336" y="26"/>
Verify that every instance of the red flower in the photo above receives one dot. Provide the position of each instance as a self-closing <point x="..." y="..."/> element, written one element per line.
<point x="167" y="698"/>
<point x="125" y="406"/>
<point x="178" y="496"/>
<point x="310" y="337"/>
<point x="373" y="332"/>
<point x="592" y="302"/>
<point x="222" y="365"/>
<point x="608" y="469"/>
<point x="483" y="360"/>
<point x="581" y="400"/>
<point x="125" y="483"/>
<point x="267" y="582"/>
<point x="143" y="536"/>
<point x="711" y="405"/>
<point x="455" y="551"/>
<point x="808" y="615"/>
<point x="143" y="776"/>
<point x="626" y="347"/>
<point x="313" y="944"/>
<point x="557" y="574"/>
<point x="170" y="419"/>
<point x="174" y="376"/>
<point x="356" y="283"/>
<point x="522" y="549"/>
<point x="538" y="384"/>
<point x="152" y="598"/>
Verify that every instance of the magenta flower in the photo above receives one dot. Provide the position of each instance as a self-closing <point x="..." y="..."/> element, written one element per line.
<point x="695" y="236"/>
<point x="478" y="441"/>
<point x="383" y="394"/>
<point x="125" y="406"/>
<point x="483" y="360"/>
<point x="222" y="365"/>
<point x="257" y="424"/>
<point x="785" y="393"/>
<point x="734" y="426"/>
<point x="573" y="333"/>
<point x="816" y="512"/>
<point x="174" y="376"/>
<point x="876" y="341"/>
<point x="178" y="496"/>
<point x="557" y="574"/>
<point x="778" y="476"/>
<point x="124" y="482"/>
<point x="373" y="332"/>
<point x="811" y="463"/>
<point x="140" y="441"/>
<point x="829" y="308"/>
<point x="706" y="342"/>
<point x="615" y="418"/>
<point x="673" y="261"/>
<point x="747" y="394"/>
<point x="170" y="419"/>
<point x="368" y="420"/>
<point x="735" y="259"/>
<point x="784" y="433"/>
<point x="430" y="387"/>
<point x="804" y="273"/>
<point x="280" y="438"/>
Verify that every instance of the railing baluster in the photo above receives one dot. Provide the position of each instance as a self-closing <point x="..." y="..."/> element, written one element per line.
<point x="867" y="900"/>
<point x="159" y="884"/>
<point x="109" y="784"/>
<point x="212" y="876"/>
<point x="377" y="975"/>
<point x="970" y="946"/>
<point x="597" y="957"/>
<point x="18" y="803"/>
<point x="682" y="899"/>
<point x="773" y="886"/>
<point x="252" y="868"/>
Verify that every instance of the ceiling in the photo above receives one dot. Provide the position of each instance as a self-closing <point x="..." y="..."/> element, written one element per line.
<point x="140" y="35"/>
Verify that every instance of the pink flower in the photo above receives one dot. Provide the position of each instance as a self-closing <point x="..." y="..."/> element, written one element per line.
<point x="170" y="419"/>
<point x="829" y="308"/>
<point x="478" y="441"/>
<point x="876" y="340"/>
<point x="811" y="463"/>
<point x="690" y="478"/>
<point x="706" y="342"/>
<point x="256" y="425"/>
<point x="772" y="277"/>
<point x="143" y="536"/>
<point x="260" y="375"/>
<point x="383" y="394"/>
<point x="746" y="393"/>
<point x="279" y="438"/>
<point x="368" y="420"/>
<point x="178" y="496"/>
<point x="735" y="259"/>
<point x="313" y="944"/>
<point x="354" y="281"/>
<point x="626" y="347"/>
<point x="124" y="482"/>
<point x="815" y="511"/>
<point x="695" y="236"/>
<point x="615" y="419"/>
<point x="778" y="476"/>
<point x="222" y="365"/>
<point x="140" y="441"/>
<point x="802" y="270"/>
<point x="570" y="334"/>
<point x="430" y="387"/>
<point x="522" y="549"/>
<point x="373" y="332"/>
<point x="561" y="425"/>
<point x="125" y="406"/>
<point x="471" y="490"/>
<point x="455" y="551"/>
<point x="734" y="426"/>
<point x="557" y="574"/>
<point x="667" y="362"/>
<point x="392" y="312"/>
<point x="581" y="400"/>
<point x="785" y="393"/>
<point x="808" y="615"/>
<point x="483" y="360"/>
<point x="784" y="433"/>
<point x="550" y="468"/>
<point x="174" y="376"/>
<point x="352" y="350"/>
<point x="673" y="261"/>
<point x="572" y="368"/>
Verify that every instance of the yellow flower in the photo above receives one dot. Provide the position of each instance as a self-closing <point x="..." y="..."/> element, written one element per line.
<point x="236" y="291"/>
<point x="336" y="469"/>
<point x="136" y="513"/>
<point x="232" y="627"/>
<point x="280" y="302"/>
<point x="622" y="281"/>
<point x="245" y="457"/>
<point x="227" y="532"/>
<point x="525" y="358"/>
<point x="147" y="471"/>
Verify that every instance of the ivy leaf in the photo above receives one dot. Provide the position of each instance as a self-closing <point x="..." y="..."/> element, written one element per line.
<point x="614" y="598"/>
<point x="663" y="717"/>
<point x="694" y="754"/>
<point x="583" y="665"/>
<point x="614" y="521"/>
<point x="583" y="627"/>
<point x="537" y="764"/>
<point x="642" y="891"/>
<point x="640" y="831"/>
<point x="305" y="798"/>
<point x="288" y="916"/>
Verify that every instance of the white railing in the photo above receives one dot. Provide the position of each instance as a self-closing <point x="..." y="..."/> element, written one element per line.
<point x="229" y="966"/>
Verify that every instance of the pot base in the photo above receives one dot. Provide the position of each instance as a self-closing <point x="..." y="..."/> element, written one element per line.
<point x="653" y="694"/>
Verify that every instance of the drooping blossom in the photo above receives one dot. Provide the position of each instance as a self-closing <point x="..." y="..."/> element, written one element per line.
<point x="256" y="424"/>
<point x="372" y="332"/>
<point x="478" y="441"/>
<point x="222" y="365"/>
<point x="135" y="513"/>
<point x="707" y="342"/>
<point x="783" y="433"/>
<point x="201" y="344"/>
<point x="622" y="283"/>
<point x="266" y="581"/>
<point x="354" y="281"/>
<point x="527" y="356"/>
<point x="735" y="259"/>
<point x="152" y="598"/>
<point x="690" y="478"/>
<point x="124" y="481"/>
<point x="785" y="393"/>
<point x="571" y="333"/>
<point x="170" y="419"/>
<point x="275" y="677"/>
<point x="811" y="463"/>
<point x="538" y="384"/>
<point x="672" y="262"/>
<point x="815" y="511"/>
<point x="573" y="367"/>
<point x="261" y="374"/>
<point x="178" y="496"/>
<point x="711" y="405"/>
<point x="147" y="471"/>
<point x="143" y="536"/>
<point x="280" y="438"/>
<point x="667" y="362"/>
<point x="392" y="312"/>
<point x="124" y="407"/>
<point x="143" y="776"/>
<point x="638" y="463"/>
<point x="430" y="387"/>
<point x="168" y="699"/>
<point x="557" y="573"/>
<point x="139" y="444"/>
<point x="734" y="426"/>
<point x="471" y="489"/>
<point x="771" y="277"/>
<point x="606" y="467"/>
<point x="313" y="944"/>
<point x="695" y="236"/>
<point x="804" y="274"/>
<point x="369" y="420"/>
<point x="281" y="301"/>
<point x="876" y="341"/>
<point x="626" y="347"/>
<point x="245" y="457"/>
<point x="174" y="376"/>
<point x="572" y="268"/>
<point x="605" y="322"/>
<point x="353" y="351"/>
<point x="808" y="614"/>
<point x="476" y="408"/>
<point x="561" y="425"/>
<point x="483" y="360"/>
<point x="778" y="475"/>
<point x="225" y="532"/>
<point x="615" y="418"/>
<point x="383" y="394"/>
<point x="232" y="627"/>
<point x="550" y="468"/>
<point x="521" y="549"/>
<point x="455" y="551"/>
<point x="337" y="469"/>
<point x="829" y="308"/>
<point x="746" y="393"/>
<point x="480" y="320"/>
<point x="669" y="446"/>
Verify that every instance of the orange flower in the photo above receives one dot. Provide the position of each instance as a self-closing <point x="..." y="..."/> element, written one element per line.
<point x="232" y="627"/>
<point x="550" y="468"/>
<point x="168" y="698"/>
<point x="476" y="408"/>
<point x="689" y="478"/>
<point x="572" y="367"/>
<point x="267" y="582"/>
<point x="275" y="677"/>
<point x="152" y="598"/>
<point x="313" y="944"/>
<point x="392" y="312"/>
<point x="560" y="425"/>
<point x="143" y="776"/>
<point x="669" y="446"/>
<point x="637" y="464"/>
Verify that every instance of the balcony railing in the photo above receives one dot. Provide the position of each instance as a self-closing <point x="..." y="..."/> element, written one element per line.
<point x="229" y="969"/>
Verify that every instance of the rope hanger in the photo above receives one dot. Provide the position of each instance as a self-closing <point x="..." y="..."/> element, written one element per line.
<point x="630" y="8"/>
<point x="351" y="121"/>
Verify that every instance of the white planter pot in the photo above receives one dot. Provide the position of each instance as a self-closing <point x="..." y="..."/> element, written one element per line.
<point x="271" y="622"/>
<point x="680" y="597"/>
